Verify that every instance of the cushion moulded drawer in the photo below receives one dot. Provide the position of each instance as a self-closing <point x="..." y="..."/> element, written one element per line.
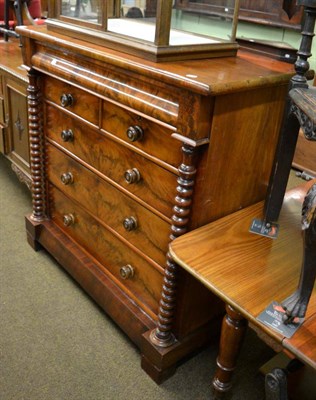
<point x="142" y="283"/>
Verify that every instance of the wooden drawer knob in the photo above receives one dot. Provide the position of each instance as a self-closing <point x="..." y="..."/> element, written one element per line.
<point x="67" y="135"/>
<point x="66" y="100"/>
<point x="134" y="133"/>
<point x="67" y="178"/>
<point x="130" y="223"/>
<point x="132" y="175"/>
<point x="68" y="219"/>
<point x="127" y="272"/>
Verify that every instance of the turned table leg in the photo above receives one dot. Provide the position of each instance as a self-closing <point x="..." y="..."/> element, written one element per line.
<point x="233" y="331"/>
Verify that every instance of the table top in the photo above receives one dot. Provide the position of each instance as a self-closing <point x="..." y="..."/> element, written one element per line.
<point x="246" y="270"/>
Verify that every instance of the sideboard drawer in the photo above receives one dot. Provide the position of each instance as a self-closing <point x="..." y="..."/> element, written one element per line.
<point x="73" y="99"/>
<point x="131" y="272"/>
<point x="156" y="185"/>
<point x="144" y="134"/>
<point x="128" y="218"/>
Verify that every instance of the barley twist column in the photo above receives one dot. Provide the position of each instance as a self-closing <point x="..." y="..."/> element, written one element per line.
<point x="37" y="157"/>
<point x="162" y="336"/>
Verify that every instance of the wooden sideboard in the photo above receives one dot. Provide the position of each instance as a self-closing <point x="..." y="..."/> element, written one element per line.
<point x="126" y="155"/>
<point x="14" y="141"/>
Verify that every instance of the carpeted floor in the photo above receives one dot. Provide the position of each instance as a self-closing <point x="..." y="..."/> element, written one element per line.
<point x="56" y="344"/>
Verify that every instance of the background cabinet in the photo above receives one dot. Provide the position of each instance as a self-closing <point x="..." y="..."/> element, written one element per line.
<point x="267" y="12"/>
<point x="14" y="141"/>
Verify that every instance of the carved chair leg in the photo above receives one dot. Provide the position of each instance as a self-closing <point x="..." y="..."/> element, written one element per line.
<point x="233" y="332"/>
<point x="290" y="126"/>
<point x="282" y="166"/>
<point x="276" y="385"/>
<point x="296" y="304"/>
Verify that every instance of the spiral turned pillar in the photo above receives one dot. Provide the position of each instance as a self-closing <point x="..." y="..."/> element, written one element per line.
<point x="37" y="157"/>
<point x="301" y="64"/>
<point x="162" y="336"/>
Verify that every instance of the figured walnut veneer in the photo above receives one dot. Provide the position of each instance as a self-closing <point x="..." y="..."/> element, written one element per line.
<point x="203" y="137"/>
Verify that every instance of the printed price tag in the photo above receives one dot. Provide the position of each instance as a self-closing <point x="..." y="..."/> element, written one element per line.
<point x="259" y="227"/>
<point x="272" y="317"/>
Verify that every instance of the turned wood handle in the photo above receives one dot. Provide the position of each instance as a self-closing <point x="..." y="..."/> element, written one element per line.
<point x="68" y="219"/>
<point x="66" y="100"/>
<point x="67" y="135"/>
<point x="132" y="175"/>
<point x="134" y="133"/>
<point x="67" y="178"/>
<point x="127" y="272"/>
<point x="130" y="223"/>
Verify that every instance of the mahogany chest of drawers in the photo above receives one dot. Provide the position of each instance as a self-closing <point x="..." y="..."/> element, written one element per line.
<point x="126" y="155"/>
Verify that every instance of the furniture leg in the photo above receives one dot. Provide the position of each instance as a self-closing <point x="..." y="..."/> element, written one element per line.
<point x="6" y="20"/>
<point x="233" y="331"/>
<point x="18" y="11"/>
<point x="282" y="165"/>
<point x="296" y="304"/>
<point x="276" y="385"/>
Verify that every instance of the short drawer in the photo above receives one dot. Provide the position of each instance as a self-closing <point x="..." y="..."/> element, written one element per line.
<point x="73" y="99"/>
<point x="144" y="134"/>
<point x="134" y="173"/>
<point x="132" y="273"/>
<point x="144" y="229"/>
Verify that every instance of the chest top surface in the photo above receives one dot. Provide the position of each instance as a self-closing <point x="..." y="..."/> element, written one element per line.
<point x="206" y="77"/>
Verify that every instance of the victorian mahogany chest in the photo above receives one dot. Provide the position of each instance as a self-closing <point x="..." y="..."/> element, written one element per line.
<point x="126" y="155"/>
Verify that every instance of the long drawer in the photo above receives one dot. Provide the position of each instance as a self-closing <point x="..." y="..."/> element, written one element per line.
<point x="140" y="280"/>
<point x="136" y="174"/>
<point x="145" y="230"/>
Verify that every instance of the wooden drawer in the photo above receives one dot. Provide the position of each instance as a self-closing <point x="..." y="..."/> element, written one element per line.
<point x="135" y="223"/>
<point x="156" y="187"/>
<point x="152" y="138"/>
<point x="143" y="286"/>
<point x="83" y="104"/>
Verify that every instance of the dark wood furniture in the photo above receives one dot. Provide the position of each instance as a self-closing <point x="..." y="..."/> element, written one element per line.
<point x="299" y="113"/>
<point x="126" y="155"/>
<point x="248" y="272"/>
<point x="14" y="140"/>
<point x="305" y="153"/>
<point x="280" y="13"/>
<point x="18" y="12"/>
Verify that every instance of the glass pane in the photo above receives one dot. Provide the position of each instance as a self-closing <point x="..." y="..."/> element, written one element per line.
<point x="85" y="10"/>
<point x="137" y="19"/>
<point x="212" y="18"/>
<point x="192" y="22"/>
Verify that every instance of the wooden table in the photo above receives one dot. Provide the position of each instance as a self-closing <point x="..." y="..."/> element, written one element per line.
<point x="248" y="272"/>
